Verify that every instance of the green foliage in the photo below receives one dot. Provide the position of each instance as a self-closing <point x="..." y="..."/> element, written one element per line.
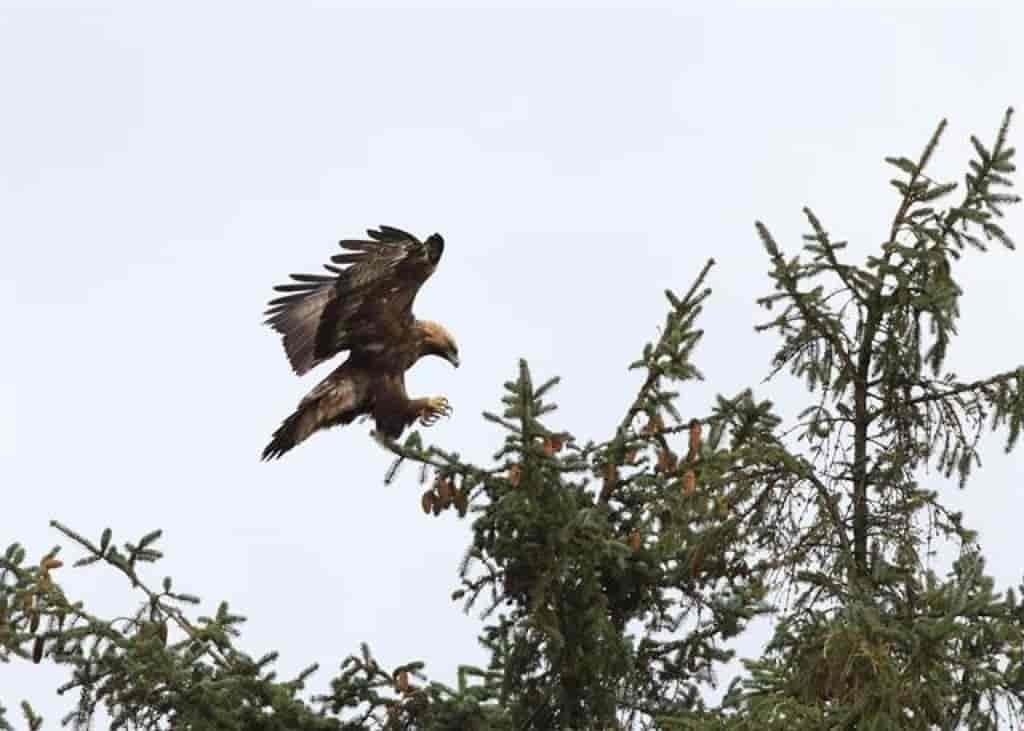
<point x="938" y="659"/>
<point x="611" y="575"/>
<point x="156" y="666"/>
<point x="608" y="585"/>
<point x="873" y="638"/>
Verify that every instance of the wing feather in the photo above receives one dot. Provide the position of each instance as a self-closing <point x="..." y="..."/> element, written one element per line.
<point x="293" y="288"/>
<point x="318" y="278"/>
<point x="356" y="245"/>
<point x="368" y="303"/>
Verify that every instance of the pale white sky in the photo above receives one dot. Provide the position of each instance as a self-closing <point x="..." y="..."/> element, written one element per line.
<point x="160" y="170"/>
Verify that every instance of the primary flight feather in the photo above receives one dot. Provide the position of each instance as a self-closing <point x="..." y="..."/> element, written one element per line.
<point x="365" y="308"/>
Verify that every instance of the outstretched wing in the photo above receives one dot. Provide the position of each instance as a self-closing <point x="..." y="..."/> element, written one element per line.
<point x="365" y="305"/>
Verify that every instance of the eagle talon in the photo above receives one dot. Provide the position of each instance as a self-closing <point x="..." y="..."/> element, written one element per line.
<point x="434" y="409"/>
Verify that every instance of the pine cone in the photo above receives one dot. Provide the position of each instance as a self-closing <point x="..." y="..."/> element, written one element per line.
<point x="689" y="482"/>
<point x="553" y="443"/>
<point x="402" y="682"/>
<point x="654" y="426"/>
<point x="694" y="441"/>
<point x="444" y="491"/>
<point x="461" y="500"/>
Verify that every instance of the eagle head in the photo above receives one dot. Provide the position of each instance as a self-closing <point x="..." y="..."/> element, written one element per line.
<point x="436" y="340"/>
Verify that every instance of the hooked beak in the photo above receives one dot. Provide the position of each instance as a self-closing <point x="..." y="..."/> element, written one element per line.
<point x="453" y="359"/>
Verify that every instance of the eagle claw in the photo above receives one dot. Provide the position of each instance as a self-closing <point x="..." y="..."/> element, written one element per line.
<point x="434" y="409"/>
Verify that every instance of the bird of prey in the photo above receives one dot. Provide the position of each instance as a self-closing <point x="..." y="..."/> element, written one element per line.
<point x="364" y="308"/>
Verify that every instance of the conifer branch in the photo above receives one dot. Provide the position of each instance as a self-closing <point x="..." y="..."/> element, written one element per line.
<point x="788" y="282"/>
<point x="128" y="569"/>
<point x="958" y="388"/>
<point x="829" y="252"/>
<point x="654" y="373"/>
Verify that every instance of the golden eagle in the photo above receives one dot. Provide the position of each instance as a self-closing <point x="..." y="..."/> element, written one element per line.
<point x="366" y="309"/>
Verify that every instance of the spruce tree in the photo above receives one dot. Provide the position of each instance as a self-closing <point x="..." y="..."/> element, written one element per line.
<point x="611" y="573"/>
<point x="874" y="637"/>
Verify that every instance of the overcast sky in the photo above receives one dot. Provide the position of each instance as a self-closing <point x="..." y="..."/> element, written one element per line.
<point x="160" y="171"/>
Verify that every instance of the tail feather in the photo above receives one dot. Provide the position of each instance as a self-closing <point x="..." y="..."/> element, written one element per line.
<point x="338" y="399"/>
<point x="289" y="434"/>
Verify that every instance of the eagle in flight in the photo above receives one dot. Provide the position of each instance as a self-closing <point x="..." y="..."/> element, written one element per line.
<point x="366" y="309"/>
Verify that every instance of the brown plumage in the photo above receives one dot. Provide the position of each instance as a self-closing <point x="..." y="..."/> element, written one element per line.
<point x="365" y="309"/>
